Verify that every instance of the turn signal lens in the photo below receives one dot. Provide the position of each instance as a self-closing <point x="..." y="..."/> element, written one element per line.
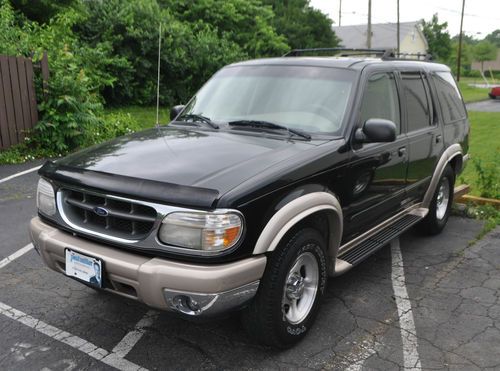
<point x="209" y="231"/>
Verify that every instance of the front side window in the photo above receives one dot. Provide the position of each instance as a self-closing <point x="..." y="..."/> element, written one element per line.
<point x="417" y="103"/>
<point x="307" y="98"/>
<point x="380" y="99"/>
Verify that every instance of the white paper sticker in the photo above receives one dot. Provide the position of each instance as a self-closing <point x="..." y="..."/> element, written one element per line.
<point x="83" y="267"/>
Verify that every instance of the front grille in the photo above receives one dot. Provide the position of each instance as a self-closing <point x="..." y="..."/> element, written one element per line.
<point x="119" y="218"/>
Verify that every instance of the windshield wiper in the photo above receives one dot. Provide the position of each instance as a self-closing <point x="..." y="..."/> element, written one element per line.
<point x="269" y="125"/>
<point x="194" y="117"/>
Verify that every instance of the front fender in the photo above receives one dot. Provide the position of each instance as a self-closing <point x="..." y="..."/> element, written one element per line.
<point x="296" y="210"/>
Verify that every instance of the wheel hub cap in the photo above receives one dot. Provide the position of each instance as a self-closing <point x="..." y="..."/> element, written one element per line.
<point x="295" y="287"/>
<point x="301" y="286"/>
<point x="442" y="199"/>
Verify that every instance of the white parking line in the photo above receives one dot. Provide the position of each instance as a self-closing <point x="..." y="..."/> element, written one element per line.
<point x="111" y="359"/>
<point x="406" y="322"/>
<point x="20" y="173"/>
<point x="16" y="255"/>
<point x="129" y="340"/>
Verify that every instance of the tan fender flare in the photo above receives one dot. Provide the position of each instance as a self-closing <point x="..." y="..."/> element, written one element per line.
<point x="295" y="211"/>
<point x="450" y="153"/>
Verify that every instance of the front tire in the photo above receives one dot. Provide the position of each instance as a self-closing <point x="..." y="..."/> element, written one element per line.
<point x="290" y="291"/>
<point x="440" y="208"/>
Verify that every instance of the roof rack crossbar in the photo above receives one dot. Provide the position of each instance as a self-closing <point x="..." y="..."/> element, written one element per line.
<point x="346" y="51"/>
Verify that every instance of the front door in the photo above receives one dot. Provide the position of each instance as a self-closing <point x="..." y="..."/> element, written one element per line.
<point x="377" y="175"/>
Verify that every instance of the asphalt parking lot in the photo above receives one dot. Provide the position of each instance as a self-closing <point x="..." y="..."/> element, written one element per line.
<point x="489" y="105"/>
<point x="422" y="303"/>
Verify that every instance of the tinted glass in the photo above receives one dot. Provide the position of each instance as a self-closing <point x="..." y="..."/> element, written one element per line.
<point x="417" y="104"/>
<point x="380" y="99"/>
<point x="449" y="97"/>
<point x="312" y="99"/>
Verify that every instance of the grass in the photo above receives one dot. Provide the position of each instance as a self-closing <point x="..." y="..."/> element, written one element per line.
<point x="483" y="144"/>
<point x="145" y="116"/>
<point x="470" y="93"/>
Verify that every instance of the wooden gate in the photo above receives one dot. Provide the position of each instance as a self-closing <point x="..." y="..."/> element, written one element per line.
<point x="18" y="109"/>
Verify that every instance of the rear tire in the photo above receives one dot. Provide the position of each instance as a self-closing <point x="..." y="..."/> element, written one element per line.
<point x="440" y="208"/>
<point x="290" y="291"/>
<point x="492" y="96"/>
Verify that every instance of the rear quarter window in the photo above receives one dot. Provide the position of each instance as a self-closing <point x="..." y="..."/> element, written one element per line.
<point x="452" y="106"/>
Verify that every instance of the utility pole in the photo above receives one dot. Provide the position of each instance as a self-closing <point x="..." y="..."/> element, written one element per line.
<point x="459" y="57"/>
<point x="398" y="29"/>
<point x="369" y="30"/>
<point x="340" y="13"/>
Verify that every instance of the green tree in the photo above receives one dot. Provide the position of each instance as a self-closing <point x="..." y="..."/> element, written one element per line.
<point x="484" y="51"/>
<point x="190" y="52"/>
<point x="438" y="38"/>
<point x="244" y="22"/>
<point x="41" y="11"/>
<point x="465" y="60"/>
<point x="302" y="25"/>
<point x="494" y="38"/>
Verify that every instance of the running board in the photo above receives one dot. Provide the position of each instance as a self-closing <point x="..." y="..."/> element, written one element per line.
<point x="375" y="241"/>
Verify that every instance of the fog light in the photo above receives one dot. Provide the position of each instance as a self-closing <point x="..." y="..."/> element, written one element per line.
<point x="186" y="304"/>
<point x="191" y="304"/>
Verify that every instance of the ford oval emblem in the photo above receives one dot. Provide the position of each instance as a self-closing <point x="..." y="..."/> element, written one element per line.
<point x="101" y="211"/>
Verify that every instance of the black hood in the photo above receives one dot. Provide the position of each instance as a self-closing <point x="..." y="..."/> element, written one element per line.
<point x="197" y="160"/>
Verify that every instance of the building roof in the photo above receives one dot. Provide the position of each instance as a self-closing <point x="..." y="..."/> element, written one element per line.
<point x="383" y="34"/>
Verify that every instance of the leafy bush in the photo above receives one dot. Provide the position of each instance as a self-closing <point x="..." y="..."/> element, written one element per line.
<point x="246" y="23"/>
<point x="107" y="127"/>
<point x="488" y="177"/>
<point x="72" y="102"/>
<point x="191" y="49"/>
<point x="112" y="125"/>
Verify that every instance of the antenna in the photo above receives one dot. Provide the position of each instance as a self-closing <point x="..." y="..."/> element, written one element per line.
<point x="158" y="80"/>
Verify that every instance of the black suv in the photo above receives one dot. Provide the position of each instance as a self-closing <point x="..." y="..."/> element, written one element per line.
<point x="277" y="174"/>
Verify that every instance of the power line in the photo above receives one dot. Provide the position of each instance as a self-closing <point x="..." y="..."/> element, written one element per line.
<point x="467" y="14"/>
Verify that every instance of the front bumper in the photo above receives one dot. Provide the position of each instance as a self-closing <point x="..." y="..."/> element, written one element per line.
<point x="192" y="289"/>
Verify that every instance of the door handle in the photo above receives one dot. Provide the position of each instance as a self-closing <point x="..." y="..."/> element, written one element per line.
<point x="402" y="151"/>
<point x="438" y="138"/>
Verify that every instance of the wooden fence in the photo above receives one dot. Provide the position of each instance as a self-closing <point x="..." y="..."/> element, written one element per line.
<point x="18" y="108"/>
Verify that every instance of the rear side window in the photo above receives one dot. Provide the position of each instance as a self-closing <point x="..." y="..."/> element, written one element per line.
<point x="417" y="101"/>
<point x="380" y="99"/>
<point x="449" y="97"/>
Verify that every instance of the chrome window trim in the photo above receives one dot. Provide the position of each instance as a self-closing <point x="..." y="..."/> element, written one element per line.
<point x="151" y="241"/>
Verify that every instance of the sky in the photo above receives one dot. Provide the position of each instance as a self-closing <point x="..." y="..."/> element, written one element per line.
<point x="481" y="16"/>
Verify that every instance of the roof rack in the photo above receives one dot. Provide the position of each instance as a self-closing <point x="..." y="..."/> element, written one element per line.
<point x="408" y="56"/>
<point x="344" y="52"/>
<point x="384" y="54"/>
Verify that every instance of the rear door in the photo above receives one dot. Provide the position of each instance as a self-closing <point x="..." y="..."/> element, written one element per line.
<point x="425" y="136"/>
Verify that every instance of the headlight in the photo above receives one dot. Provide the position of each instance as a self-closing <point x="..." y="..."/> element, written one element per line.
<point x="45" y="198"/>
<point x="209" y="231"/>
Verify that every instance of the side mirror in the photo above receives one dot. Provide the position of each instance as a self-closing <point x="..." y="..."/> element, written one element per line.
<point x="175" y="110"/>
<point x="377" y="130"/>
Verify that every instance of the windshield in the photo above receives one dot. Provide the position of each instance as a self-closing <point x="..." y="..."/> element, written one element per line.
<point x="310" y="99"/>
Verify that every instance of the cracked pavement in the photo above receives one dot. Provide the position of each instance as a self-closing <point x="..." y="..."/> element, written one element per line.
<point x="454" y="291"/>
